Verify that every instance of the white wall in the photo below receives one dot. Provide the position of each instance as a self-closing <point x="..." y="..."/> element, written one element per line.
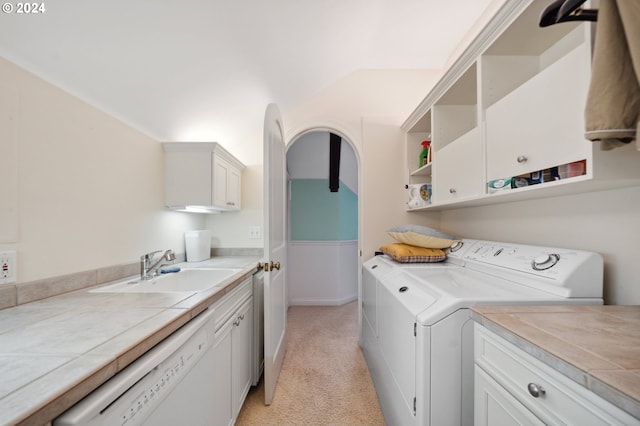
<point x="322" y="272"/>
<point x="89" y="188"/>
<point x="606" y="222"/>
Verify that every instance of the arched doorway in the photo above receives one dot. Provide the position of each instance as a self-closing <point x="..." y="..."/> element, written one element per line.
<point x="323" y="219"/>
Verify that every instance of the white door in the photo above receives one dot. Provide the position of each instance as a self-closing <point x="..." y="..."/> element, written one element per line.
<point x="275" y="248"/>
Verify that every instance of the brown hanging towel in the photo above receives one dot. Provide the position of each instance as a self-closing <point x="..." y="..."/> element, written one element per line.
<point x="612" y="112"/>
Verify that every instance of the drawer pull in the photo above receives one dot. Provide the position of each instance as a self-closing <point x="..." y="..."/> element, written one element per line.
<point x="521" y="159"/>
<point x="535" y="390"/>
<point x="452" y="190"/>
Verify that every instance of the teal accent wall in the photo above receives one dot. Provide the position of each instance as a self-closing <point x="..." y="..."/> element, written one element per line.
<point x="318" y="214"/>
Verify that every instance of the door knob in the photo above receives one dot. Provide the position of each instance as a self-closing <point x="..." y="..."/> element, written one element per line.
<point x="273" y="266"/>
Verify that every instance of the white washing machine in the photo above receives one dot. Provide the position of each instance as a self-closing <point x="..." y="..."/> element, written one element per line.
<point x="417" y="331"/>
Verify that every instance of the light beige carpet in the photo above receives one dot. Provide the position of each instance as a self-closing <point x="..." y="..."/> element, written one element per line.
<point x="324" y="378"/>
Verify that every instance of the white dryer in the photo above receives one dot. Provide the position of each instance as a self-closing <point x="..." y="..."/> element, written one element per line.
<point x="417" y="331"/>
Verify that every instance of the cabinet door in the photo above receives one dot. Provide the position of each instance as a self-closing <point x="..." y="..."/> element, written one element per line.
<point x="222" y="376"/>
<point x="540" y="124"/>
<point x="241" y="346"/>
<point x="233" y="188"/>
<point x="494" y="406"/>
<point x="458" y="169"/>
<point x="226" y="184"/>
<point x="220" y="176"/>
<point x="187" y="178"/>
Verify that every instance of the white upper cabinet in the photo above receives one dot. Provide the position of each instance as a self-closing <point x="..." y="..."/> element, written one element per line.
<point x="458" y="168"/>
<point x="511" y="108"/>
<point x="201" y="177"/>
<point x="534" y="86"/>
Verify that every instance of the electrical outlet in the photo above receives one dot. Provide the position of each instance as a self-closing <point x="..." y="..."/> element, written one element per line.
<point x="254" y="233"/>
<point x="8" y="267"/>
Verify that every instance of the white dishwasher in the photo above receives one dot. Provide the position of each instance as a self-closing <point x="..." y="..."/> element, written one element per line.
<point x="172" y="382"/>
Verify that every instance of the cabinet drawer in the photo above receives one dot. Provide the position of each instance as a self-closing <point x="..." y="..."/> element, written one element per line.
<point x="563" y="402"/>
<point x="225" y="307"/>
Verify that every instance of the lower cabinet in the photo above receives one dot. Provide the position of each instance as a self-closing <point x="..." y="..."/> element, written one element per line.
<point x="223" y="381"/>
<point x="514" y="388"/>
<point x="241" y="342"/>
<point x="233" y="352"/>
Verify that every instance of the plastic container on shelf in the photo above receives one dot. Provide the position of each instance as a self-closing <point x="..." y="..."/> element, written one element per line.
<point x="425" y="154"/>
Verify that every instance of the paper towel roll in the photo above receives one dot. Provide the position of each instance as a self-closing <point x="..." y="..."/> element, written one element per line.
<point x="198" y="245"/>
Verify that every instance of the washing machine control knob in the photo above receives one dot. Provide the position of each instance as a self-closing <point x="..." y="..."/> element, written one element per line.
<point x="545" y="261"/>
<point x="456" y="246"/>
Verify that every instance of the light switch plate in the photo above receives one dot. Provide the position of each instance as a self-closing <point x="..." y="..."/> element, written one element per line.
<point x="8" y="267"/>
<point x="254" y="233"/>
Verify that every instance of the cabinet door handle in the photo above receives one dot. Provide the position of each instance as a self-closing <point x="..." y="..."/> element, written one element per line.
<point x="241" y="317"/>
<point x="452" y="190"/>
<point x="521" y="159"/>
<point x="535" y="390"/>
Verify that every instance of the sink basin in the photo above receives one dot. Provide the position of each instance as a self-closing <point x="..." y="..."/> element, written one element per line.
<point x="187" y="280"/>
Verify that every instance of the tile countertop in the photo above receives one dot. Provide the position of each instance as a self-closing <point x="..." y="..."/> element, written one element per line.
<point x="596" y="346"/>
<point x="55" y="351"/>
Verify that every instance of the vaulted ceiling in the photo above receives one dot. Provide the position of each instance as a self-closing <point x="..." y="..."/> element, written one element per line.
<point x="173" y="67"/>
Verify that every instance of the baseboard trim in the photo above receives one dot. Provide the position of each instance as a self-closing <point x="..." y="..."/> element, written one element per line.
<point x="323" y="302"/>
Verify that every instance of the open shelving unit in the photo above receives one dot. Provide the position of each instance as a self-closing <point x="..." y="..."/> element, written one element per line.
<point x="512" y="105"/>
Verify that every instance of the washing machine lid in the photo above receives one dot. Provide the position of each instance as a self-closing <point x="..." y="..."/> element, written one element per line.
<point x="414" y="296"/>
<point x="459" y="288"/>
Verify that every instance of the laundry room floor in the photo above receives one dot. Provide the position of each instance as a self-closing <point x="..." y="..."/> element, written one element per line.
<point x="324" y="378"/>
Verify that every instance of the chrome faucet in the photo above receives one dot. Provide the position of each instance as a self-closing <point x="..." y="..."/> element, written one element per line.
<point x="147" y="270"/>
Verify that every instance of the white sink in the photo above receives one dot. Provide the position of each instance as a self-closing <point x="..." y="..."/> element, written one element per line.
<point x="187" y="280"/>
